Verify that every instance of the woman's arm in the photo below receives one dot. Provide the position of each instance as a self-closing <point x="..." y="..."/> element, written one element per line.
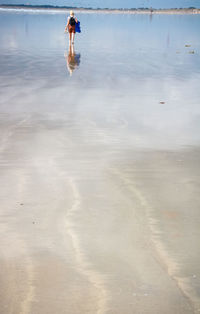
<point x="66" y="27"/>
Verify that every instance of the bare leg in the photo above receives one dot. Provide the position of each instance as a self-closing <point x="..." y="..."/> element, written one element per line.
<point x="73" y="35"/>
<point x="70" y="38"/>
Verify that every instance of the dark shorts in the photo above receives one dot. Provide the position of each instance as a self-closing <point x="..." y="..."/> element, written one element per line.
<point x="72" y="29"/>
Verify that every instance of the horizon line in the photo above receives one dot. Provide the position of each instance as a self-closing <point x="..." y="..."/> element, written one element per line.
<point x="49" y="6"/>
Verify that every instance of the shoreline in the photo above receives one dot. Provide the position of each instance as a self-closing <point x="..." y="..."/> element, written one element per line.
<point x="90" y="10"/>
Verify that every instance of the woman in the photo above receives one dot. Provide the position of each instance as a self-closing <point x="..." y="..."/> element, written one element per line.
<point x="71" y="26"/>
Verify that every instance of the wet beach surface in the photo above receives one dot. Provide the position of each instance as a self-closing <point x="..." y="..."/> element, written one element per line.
<point x="99" y="166"/>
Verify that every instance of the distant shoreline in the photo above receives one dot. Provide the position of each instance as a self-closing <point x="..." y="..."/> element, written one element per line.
<point x="99" y="10"/>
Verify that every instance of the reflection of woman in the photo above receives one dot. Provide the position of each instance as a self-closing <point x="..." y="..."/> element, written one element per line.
<point x="71" y="26"/>
<point x="73" y="59"/>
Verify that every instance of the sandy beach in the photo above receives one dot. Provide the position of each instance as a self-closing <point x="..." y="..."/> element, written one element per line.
<point x="99" y="168"/>
<point x="83" y="234"/>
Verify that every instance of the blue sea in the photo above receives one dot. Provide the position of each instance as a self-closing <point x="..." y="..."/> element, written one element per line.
<point x="157" y="4"/>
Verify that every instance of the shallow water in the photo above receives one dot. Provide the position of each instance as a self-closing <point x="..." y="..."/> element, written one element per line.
<point x="99" y="164"/>
<point x="140" y="62"/>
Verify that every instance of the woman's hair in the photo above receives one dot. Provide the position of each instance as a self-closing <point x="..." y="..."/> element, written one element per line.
<point x="72" y="13"/>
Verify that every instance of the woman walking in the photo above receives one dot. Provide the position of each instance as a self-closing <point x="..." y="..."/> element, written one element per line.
<point x="71" y="27"/>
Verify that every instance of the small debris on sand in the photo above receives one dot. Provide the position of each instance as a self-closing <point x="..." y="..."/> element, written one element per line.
<point x="162" y="102"/>
<point x="187" y="45"/>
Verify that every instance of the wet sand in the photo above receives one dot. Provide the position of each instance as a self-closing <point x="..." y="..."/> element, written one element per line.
<point x="87" y="228"/>
<point x="99" y="171"/>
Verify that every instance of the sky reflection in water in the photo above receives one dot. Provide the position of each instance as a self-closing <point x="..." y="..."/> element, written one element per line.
<point x="123" y="67"/>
